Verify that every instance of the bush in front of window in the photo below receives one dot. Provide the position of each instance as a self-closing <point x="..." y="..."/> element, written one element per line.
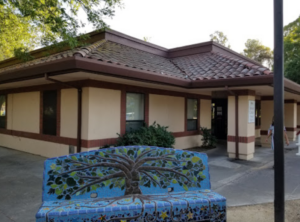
<point x="208" y="140"/>
<point x="153" y="135"/>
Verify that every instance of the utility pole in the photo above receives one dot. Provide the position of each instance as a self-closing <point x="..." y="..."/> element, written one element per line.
<point x="278" y="112"/>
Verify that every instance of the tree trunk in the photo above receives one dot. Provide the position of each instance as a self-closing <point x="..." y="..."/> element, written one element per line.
<point x="132" y="185"/>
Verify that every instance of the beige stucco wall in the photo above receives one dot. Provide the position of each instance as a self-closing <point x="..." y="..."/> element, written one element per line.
<point x="290" y="113"/>
<point x="205" y="113"/>
<point x="167" y="111"/>
<point x="38" y="147"/>
<point x="187" y="142"/>
<point x="266" y="120"/>
<point x="101" y="113"/>
<point x="257" y="133"/>
<point x="68" y="115"/>
<point x="23" y="112"/>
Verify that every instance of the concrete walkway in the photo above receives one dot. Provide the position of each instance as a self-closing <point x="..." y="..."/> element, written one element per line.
<point x="241" y="182"/>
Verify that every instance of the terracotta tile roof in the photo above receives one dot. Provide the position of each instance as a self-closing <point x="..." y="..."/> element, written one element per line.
<point x="217" y="66"/>
<point x="204" y="66"/>
<point x="56" y="56"/>
<point x="134" y="58"/>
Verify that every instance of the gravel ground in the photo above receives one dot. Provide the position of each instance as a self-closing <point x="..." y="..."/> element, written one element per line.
<point x="263" y="212"/>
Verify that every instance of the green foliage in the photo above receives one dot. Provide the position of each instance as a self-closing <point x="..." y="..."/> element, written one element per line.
<point x="292" y="50"/>
<point x="257" y="51"/>
<point x="220" y="38"/>
<point x="16" y="33"/>
<point x="208" y="139"/>
<point x="30" y="23"/>
<point x="154" y="135"/>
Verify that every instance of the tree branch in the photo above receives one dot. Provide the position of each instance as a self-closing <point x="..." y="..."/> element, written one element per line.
<point x="113" y="165"/>
<point x="130" y="161"/>
<point x="111" y="159"/>
<point x="151" y="178"/>
<point x="115" y="175"/>
<point x="143" y="154"/>
<point x="142" y="161"/>
<point x="162" y="169"/>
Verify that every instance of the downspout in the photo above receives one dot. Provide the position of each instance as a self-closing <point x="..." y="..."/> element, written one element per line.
<point x="236" y="122"/>
<point x="79" y="109"/>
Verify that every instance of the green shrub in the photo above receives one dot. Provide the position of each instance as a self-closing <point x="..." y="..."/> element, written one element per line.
<point x="153" y="135"/>
<point x="208" y="139"/>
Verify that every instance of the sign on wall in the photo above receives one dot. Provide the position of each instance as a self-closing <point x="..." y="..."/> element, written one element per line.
<point x="251" y="113"/>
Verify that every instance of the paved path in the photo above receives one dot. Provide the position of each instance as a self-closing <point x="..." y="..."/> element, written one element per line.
<point x="241" y="182"/>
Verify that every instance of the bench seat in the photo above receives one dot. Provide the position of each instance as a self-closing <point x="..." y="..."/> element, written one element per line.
<point x="202" y="205"/>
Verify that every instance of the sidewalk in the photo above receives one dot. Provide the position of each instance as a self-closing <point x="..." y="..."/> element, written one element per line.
<point x="252" y="182"/>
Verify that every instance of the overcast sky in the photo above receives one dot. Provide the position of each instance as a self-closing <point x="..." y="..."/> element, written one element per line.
<point x="174" y="23"/>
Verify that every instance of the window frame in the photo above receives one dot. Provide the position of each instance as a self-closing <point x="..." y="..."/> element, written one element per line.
<point x="198" y="115"/>
<point x="5" y="117"/>
<point x="143" y="122"/>
<point x="57" y="111"/>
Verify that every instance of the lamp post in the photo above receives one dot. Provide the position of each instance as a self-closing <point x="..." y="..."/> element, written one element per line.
<point x="278" y="112"/>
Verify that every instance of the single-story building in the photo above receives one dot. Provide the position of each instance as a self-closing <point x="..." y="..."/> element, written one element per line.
<point x="78" y="100"/>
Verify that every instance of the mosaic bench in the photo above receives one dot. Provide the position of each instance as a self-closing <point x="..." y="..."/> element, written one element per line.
<point x="136" y="183"/>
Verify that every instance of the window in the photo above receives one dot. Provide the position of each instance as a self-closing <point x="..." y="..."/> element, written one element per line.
<point x="49" y="112"/>
<point x="2" y="111"/>
<point x="135" y="106"/>
<point x="192" y="114"/>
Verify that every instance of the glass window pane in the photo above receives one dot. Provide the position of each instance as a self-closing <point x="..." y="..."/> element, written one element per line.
<point x="49" y="112"/>
<point x="192" y="109"/>
<point x="135" y="106"/>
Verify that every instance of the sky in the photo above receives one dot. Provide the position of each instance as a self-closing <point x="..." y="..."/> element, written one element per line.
<point x="175" y="23"/>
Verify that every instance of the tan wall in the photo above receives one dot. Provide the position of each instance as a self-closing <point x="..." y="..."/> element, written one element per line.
<point x="245" y="128"/>
<point x="187" y="142"/>
<point x="266" y="120"/>
<point x="257" y="133"/>
<point x="290" y="120"/>
<point x="231" y="115"/>
<point x="205" y="113"/>
<point x="38" y="147"/>
<point x="103" y="114"/>
<point x="69" y="110"/>
<point x="23" y="112"/>
<point x="167" y="111"/>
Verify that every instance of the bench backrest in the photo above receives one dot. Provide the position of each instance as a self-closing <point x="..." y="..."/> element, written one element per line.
<point x="119" y="171"/>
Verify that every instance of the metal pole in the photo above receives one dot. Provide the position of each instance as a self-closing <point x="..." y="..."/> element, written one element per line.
<point x="278" y="112"/>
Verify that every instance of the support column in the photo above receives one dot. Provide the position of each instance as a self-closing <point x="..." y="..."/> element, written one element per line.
<point x="241" y="136"/>
<point x="267" y="113"/>
<point x="290" y="119"/>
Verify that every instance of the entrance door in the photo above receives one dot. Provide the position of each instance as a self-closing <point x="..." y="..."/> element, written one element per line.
<point x="219" y="118"/>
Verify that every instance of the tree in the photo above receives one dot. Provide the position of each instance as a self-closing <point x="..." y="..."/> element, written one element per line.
<point x="15" y="33"/>
<point x="257" y="51"/>
<point x="220" y="38"/>
<point x="55" y="22"/>
<point x="292" y="50"/>
<point x="125" y="168"/>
